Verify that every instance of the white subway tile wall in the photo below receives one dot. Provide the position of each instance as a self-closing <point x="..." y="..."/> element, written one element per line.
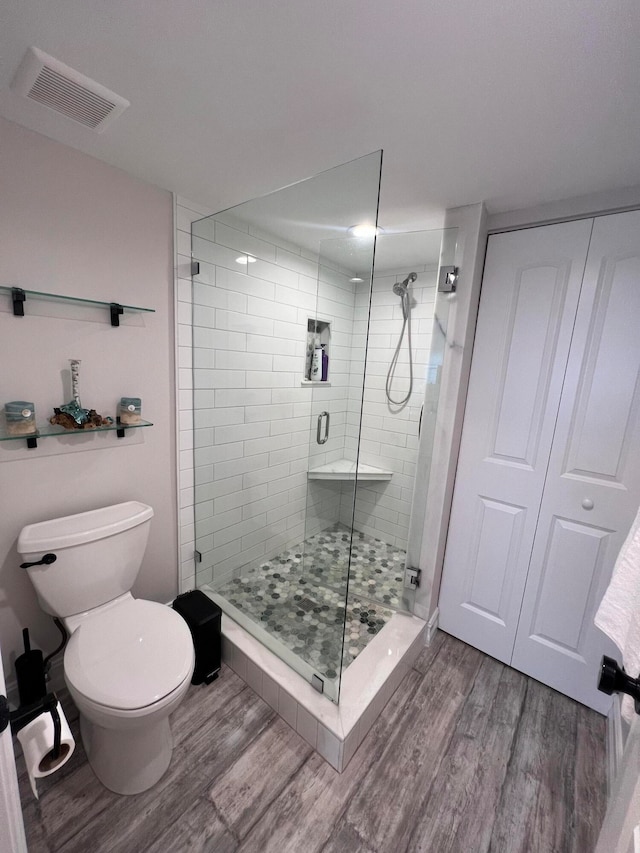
<point x="249" y="422"/>
<point x="251" y="414"/>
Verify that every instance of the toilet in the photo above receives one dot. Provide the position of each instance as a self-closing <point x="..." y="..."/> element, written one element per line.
<point x="128" y="662"/>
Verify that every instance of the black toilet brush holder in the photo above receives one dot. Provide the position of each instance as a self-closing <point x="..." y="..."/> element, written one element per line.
<point x="30" y="673"/>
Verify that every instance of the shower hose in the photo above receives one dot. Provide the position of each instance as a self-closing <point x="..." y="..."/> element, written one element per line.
<point x="406" y="325"/>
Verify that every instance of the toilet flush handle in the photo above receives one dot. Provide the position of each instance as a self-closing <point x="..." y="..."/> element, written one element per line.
<point x="45" y="561"/>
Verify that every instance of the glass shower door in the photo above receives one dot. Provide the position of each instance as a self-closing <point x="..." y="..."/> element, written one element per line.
<point x="337" y="344"/>
<point x="273" y="309"/>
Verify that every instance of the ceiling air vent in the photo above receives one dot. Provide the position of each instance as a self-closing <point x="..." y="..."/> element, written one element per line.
<point x="42" y="78"/>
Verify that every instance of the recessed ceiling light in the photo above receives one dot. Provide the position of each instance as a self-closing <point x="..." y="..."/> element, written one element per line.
<point x="245" y="259"/>
<point x="355" y="278"/>
<point x="364" y="230"/>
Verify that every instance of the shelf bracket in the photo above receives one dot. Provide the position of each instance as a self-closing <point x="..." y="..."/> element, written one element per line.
<point x="32" y="442"/>
<point x="18" y="297"/>
<point x="121" y="429"/>
<point x="116" y="311"/>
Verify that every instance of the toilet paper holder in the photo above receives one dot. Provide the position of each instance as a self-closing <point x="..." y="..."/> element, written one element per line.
<point x="21" y="717"/>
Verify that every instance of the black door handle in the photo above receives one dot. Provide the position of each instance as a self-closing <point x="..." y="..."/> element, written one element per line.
<point x="45" y="561"/>
<point x="5" y="716"/>
<point x="613" y="679"/>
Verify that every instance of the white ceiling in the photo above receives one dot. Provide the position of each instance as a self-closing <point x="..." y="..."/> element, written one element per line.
<point x="511" y="102"/>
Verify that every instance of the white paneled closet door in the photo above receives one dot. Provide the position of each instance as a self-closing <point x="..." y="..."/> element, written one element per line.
<point x="548" y="481"/>
<point x="530" y="293"/>
<point x="592" y="490"/>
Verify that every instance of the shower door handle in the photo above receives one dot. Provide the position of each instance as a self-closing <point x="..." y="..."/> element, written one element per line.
<point x="319" y="437"/>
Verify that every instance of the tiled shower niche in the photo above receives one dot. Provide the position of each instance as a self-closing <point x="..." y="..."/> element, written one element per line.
<point x="318" y="332"/>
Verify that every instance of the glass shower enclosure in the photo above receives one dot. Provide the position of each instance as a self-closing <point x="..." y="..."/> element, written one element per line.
<point x="304" y="471"/>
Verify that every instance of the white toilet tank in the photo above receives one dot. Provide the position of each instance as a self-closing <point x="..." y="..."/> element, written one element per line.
<point x="98" y="556"/>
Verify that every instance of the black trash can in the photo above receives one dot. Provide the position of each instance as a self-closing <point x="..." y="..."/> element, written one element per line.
<point x="203" y="617"/>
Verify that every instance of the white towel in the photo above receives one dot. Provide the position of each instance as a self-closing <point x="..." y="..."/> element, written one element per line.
<point x="619" y="612"/>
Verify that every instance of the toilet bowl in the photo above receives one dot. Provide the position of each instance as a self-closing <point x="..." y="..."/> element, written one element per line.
<point x="128" y="667"/>
<point x="128" y="662"/>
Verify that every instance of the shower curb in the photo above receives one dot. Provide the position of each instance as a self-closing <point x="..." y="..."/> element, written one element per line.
<point x="334" y="731"/>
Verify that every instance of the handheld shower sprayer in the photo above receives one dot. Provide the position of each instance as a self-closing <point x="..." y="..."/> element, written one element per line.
<point x="401" y="289"/>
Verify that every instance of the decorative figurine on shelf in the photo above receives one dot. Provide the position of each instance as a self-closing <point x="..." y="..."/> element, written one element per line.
<point x="71" y="415"/>
<point x="20" y="418"/>
<point x="130" y="410"/>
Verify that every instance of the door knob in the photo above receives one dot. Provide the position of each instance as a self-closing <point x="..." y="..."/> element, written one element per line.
<point x="613" y="679"/>
<point x="587" y="503"/>
<point x="5" y="716"/>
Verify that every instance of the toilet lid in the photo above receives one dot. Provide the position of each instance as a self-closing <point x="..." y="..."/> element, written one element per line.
<point x="129" y="656"/>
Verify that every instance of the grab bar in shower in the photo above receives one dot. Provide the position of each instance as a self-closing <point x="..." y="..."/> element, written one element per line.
<point x="319" y="438"/>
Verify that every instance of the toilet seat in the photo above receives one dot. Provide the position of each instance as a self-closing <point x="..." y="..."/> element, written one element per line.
<point x="129" y="656"/>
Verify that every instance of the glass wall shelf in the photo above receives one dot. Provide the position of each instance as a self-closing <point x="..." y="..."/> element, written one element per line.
<point x="47" y="430"/>
<point x="19" y="297"/>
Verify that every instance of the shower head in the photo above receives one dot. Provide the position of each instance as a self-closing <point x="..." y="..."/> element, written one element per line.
<point x="400" y="287"/>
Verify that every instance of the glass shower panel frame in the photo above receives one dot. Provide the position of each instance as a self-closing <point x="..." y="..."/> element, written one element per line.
<point x="253" y="402"/>
<point x="441" y="342"/>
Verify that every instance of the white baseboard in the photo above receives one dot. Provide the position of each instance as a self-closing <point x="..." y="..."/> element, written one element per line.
<point x="615" y="742"/>
<point x="432" y="626"/>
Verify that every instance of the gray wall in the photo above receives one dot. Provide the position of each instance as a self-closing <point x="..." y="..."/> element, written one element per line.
<point x="73" y="225"/>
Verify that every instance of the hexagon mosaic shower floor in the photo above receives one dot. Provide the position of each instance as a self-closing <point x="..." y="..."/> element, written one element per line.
<point x="299" y="595"/>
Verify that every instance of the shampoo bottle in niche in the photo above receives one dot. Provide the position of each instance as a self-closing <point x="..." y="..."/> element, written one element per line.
<point x="316" y="362"/>
<point x="320" y="363"/>
<point x="309" y="361"/>
<point x="324" y="363"/>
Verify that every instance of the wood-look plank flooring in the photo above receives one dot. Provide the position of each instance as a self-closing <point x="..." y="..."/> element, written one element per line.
<point x="469" y="756"/>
